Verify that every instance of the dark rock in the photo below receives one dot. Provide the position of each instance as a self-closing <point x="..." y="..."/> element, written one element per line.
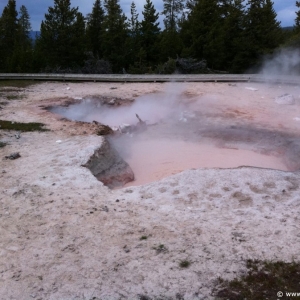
<point x="13" y="156"/>
<point x="109" y="167"/>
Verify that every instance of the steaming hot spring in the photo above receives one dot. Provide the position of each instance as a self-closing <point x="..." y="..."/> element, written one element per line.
<point x="163" y="133"/>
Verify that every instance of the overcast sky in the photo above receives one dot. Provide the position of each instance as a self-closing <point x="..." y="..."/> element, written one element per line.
<point x="37" y="8"/>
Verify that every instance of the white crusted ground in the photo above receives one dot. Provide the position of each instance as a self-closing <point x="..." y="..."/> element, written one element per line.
<point x="63" y="235"/>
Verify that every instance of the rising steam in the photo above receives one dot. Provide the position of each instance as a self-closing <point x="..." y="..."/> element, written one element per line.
<point x="283" y="62"/>
<point x="151" y="108"/>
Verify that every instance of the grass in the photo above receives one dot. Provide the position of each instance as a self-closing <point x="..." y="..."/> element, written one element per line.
<point x="263" y="281"/>
<point x="15" y="97"/>
<point x="145" y="297"/>
<point x="2" y="145"/>
<point x="184" y="264"/>
<point x="10" y="88"/>
<point x="17" y="83"/>
<point x="9" y="125"/>
<point x="144" y="237"/>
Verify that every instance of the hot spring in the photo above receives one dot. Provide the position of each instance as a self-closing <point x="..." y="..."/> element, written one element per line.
<point x="162" y="134"/>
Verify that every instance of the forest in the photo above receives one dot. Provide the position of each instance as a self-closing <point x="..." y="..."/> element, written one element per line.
<point x="197" y="36"/>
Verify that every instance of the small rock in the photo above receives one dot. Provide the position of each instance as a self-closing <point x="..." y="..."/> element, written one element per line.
<point x="286" y="99"/>
<point x="13" y="156"/>
<point x="126" y="249"/>
<point x="251" y="89"/>
<point x="105" y="208"/>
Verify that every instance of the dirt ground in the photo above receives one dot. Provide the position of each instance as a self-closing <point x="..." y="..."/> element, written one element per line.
<point x="64" y="235"/>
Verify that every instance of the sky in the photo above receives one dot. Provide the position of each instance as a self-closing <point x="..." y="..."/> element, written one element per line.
<point x="285" y="9"/>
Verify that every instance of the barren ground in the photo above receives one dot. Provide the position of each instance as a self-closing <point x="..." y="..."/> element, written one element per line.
<point x="63" y="235"/>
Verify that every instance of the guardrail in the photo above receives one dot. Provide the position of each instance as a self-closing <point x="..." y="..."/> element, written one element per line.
<point x="153" y="78"/>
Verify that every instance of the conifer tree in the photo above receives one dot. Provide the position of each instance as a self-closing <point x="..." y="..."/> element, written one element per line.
<point x="293" y="39"/>
<point x="22" y="53"/>
<point x="271" y="31"/>
<point x="262" y="32"/>
<point x="134" y="20"/>
<point x="134" y="39"/>
<point x="62" y="36"/>
<point x="203" y="32"/>
<point x="150" y="33"/>
<point x="24" y="21"/>
<point x="233" y="12"/>
<point x="95" y="29"/>
<point x="115" y="35"/>
<point x="171" y="44"/>
<point x="8" y="33"/>
<point x="297" y="20"/>
<point x="173" y="10"/>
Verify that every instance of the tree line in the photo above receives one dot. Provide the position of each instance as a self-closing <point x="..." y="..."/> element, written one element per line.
<point x="228" y="35"/>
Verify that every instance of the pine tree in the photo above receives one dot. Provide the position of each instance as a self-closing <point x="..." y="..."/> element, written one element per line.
<point x="203" y="32"/>
<point x="173" y="10"/>
<point x="24" y="21"/>
<point x="262" y="32"/>
<point x="171" y="44"/>
<point x="95" y="29"/>
<point x="115" y="35"/>
<point x="271" y="31"/>
<point x="233" y="12"/>
<point x="8" y="33"/>
<point x="22" y="53"/>
<point x="134" y="40"/>
<point x="150" y="33"/>
<point x="62" y="39"/>
<point x="297" y="20"/>
<point x="292" y="38"/>
<point x="134" y="20"/>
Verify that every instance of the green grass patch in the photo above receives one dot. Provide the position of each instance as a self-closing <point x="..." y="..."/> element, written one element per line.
<point x="184" y="264"/>
<point x="8" y="90"/>
<point x="9" y="125"/>
<point x="15" y="97"/>
<point x="263" y="281"/>
<point x="144" y="237"/>
<point x="17" y="83"/>
<point x="2" y="145"/>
